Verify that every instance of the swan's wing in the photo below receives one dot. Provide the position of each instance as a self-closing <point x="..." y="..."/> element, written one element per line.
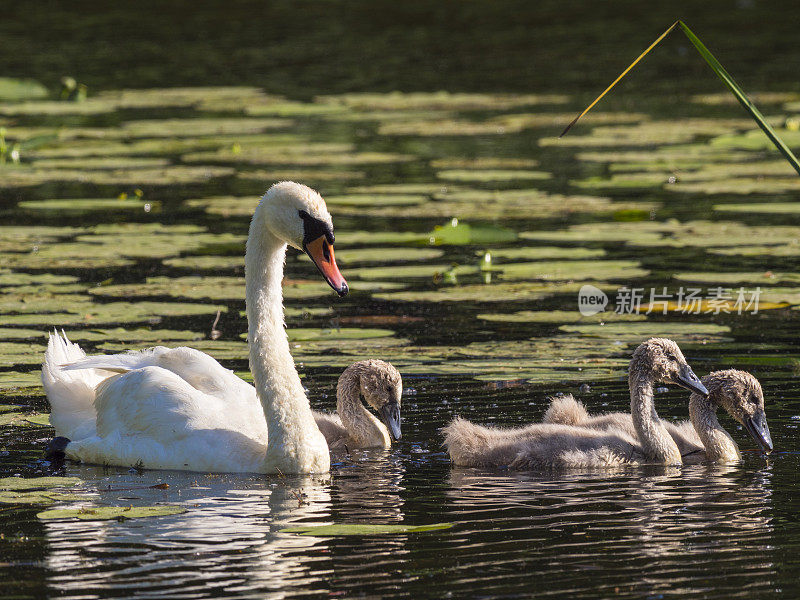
<point x="330" y="424"/>
<point x="198" y="369"/>
<point x="685" y="436"/>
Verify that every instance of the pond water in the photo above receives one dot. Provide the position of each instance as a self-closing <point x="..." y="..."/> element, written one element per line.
<point x="465" y="230"/>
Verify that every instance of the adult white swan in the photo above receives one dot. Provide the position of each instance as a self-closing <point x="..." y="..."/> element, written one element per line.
<point x="179" y="408"/>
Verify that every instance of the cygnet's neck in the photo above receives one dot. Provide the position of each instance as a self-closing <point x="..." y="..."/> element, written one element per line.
<point x="362" y="426"/>
<point x="656" y="441"/>
<point x="719" y="445"/>
<point x="293" y="437"/>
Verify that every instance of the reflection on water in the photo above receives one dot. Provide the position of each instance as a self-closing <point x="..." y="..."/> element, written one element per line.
<point x="650" y="532"/>
<point x="699" y="531"/>
<point x="229" y="539"/>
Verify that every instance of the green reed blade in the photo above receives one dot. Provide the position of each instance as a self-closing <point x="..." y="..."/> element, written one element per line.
<point x="741" y="96"/>
<point x="621" y="75"/>
<point x="722" y="74"/>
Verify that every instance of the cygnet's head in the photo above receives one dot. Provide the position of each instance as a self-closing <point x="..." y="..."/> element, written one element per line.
<point x="381" y="385"/>
<point x="661" y="359"/>
<point x="740" y="394"/>
<point x="297" y="215"/>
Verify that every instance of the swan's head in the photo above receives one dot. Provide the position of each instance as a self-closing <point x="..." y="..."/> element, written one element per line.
<point x="740" y="394"/>
<point x="662" y="360"/>
<point x="381" y="385"/>
<point x="297" y="215"/>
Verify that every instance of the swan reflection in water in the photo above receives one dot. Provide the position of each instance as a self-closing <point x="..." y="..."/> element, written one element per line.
<point x="229" y="540"/>
<point x="648" y="530"/>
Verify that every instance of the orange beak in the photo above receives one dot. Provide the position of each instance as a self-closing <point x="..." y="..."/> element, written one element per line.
<point x="321" y="252"/>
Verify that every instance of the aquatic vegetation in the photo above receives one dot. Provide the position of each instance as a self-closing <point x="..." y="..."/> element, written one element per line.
<point x="16" y="90"/>
<point x="726" y="79"/>
<point x="105" y="513"/>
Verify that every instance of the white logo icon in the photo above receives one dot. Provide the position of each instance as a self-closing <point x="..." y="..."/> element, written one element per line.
<point x="591" y="300"/>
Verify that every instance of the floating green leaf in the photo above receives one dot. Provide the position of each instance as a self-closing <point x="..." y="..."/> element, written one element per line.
<point x="36" y="497"/>
<point x="105" y="513"/>
<point x="18" y="484"/>
<point x="15" y="90"/>
<point x="81" y="205"/>
<point x="772" y="208"/>
<point x="492" y="175"/>
<point x="559" y="317"/>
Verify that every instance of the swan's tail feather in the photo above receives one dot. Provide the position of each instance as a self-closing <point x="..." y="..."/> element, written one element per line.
<point x="71" y="395"/>
<point x="467" y="443"/>
<point x="566" y="410"/>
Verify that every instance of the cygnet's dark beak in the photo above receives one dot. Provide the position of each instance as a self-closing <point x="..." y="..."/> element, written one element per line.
<point x="759" y="430"/>
<point x="321" y="252"/>
<point x="687" y="379"/>
<point x="390" y="414"/>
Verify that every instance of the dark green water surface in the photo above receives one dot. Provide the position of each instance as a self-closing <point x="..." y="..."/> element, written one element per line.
<point x="430" y="128"/>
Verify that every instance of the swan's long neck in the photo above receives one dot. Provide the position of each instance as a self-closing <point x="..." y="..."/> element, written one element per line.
<point x="293" y="442"/>
<point x="656" y="441"/>
<point x="361" y="425"/>
<point x="718" y="443"/>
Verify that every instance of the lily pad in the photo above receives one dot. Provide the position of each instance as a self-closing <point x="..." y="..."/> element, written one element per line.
<point x="23" y="175"/>
<point x="492" y="175"/>
<point x="680" y="332"/>
<point x="181" y="96"/>
<point x="559" y="317"/>
<point x="541" y="253"/>
<point x="792" y="249"/>
<point x="19" y="279"/>
<point x="209" y="262"/>
<point x="752" y="278"/>
<point x="196" y="127"/>
<point x="25" y="419"/>
<point x="133" y="335"/>
<point x="496" y="292"/>
<point x="305" y="334"/>
<point x="364" y="529"/>
<point x="309" y="174"/>
<point x="113" y="313"/>
<point x="37" y="483"/>
<point x="16" y="381"/>
<point x="601" y="270"/>
<point x="370" y="200"/>
<point x="739" y="186"/>
<point x="462" y="234"/>
<point x="16" y="90"/>
<point x="42" y="497"/>
<point x="53" y="108"/>
<point x="484" y="162"/>
<point x="440" y="100"/>
<point x="400" y="188"/>
<point x="771" y="208"/>
<point x="40" y="419"/>
<point x="81" y="205"/>
<point x="294" y="156"/>
<point x="105" y="513"/>
<point x="650" y="133"/>
<point x="101" y="162"/>
<point x="227" y="206"/>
